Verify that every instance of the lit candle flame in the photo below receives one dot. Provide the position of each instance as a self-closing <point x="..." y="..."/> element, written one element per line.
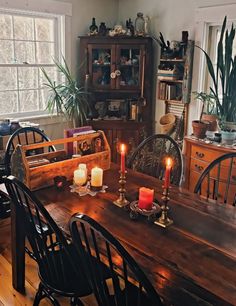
<point x="122" y="148"/>
<point x="169" y="162"/>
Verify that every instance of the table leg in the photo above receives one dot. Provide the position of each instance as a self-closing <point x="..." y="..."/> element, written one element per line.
<point x="18" y="249"/>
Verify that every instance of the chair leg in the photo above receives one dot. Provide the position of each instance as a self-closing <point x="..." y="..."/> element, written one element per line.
<point x="76" y="302"/>
<point x="39" y="295"/>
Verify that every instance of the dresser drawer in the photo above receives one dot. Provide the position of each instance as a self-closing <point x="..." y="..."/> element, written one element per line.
<point x="199" y="166"/>
<point x="200" y="153"/>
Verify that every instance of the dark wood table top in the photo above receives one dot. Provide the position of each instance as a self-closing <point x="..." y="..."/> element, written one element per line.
<point x="193" y="262"/>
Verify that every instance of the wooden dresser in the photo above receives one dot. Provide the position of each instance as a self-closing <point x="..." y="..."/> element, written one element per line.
<point x="198" y="155"/>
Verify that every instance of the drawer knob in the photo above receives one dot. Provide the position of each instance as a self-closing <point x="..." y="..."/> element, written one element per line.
<point x="199" y="168"/>
<point x="200" y="155"/>
<point x="234" y="177"/>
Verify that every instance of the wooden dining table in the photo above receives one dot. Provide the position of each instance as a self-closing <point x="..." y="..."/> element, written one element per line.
<point x="192" y="262"/>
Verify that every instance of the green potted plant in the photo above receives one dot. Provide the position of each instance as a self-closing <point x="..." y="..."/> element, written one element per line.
<point x="67" y="97"/>
<point x="223" y="87"/>
<point x="209" y="109"/>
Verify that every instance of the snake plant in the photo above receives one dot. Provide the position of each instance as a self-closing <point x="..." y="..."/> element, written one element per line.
<point x="224" y="76"/>
<point x="67" y="97"/>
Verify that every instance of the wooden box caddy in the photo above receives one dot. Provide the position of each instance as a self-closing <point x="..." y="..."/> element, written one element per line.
<point x="39" y="170"/>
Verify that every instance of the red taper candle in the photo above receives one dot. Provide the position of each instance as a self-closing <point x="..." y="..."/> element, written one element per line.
<point x="167" y="172"/>
<point x="122" y="157"/>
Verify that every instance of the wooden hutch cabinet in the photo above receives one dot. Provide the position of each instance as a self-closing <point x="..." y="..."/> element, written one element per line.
<point x="117" y="71"/>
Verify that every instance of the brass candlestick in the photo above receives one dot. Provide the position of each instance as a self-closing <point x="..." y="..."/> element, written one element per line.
<point x="122" y="201"/>
<point x="164" y="220"/>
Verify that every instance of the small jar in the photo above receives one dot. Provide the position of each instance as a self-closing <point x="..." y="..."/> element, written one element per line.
<point x="102" y="29"/>
<point x="140" y="25"/>
<point x="14" y="126"/>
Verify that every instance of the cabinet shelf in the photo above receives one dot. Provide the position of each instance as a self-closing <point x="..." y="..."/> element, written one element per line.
<point x="177" y="60"/>
<point x="171" y="81"/>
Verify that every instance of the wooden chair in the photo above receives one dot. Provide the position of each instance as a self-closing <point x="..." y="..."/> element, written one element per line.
<point x="24" y="136"/>
<point x="60" y="271"/>
<point x="129" y="285"/>
<point x="149" y="157"/>
<point x="218" y="181"/>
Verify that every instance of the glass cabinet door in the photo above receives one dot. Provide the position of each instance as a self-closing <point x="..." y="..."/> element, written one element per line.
<point x="130" y="62"/>
<point x="101" y="65"/>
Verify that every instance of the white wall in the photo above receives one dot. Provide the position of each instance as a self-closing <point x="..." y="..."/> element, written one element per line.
<point x="170" y="17"/>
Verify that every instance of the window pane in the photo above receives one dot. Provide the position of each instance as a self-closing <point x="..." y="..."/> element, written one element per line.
<point x="28" y="77"/>
<point x="51" y="72"/>
<point x="23" y="28"/>
<point x="5" y="26"/>
<point x="44" y="29"/>
<point x="6" y="52"/>
<point x="44" y="94"/>
<point x="29" y="100"/>
<point x="25" y="52"/>
<point x="8" y="78"/>
<point x="8" y="102"/>
<point x="45" y="53"/>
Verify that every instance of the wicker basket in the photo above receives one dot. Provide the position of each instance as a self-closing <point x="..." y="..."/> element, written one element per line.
<point x="167" y="123"/>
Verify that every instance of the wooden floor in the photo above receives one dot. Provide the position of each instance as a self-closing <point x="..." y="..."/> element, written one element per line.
<point x="9" y="296"/>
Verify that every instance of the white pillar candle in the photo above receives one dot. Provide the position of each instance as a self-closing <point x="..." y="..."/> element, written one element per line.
<point x="96" y="177"/>
<point x="83" y="167"/>
<point x="80" y="177"/>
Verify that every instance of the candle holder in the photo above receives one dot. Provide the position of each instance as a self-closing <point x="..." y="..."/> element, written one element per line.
<point x="164" y="220"/>
<point x="122" y="201"/>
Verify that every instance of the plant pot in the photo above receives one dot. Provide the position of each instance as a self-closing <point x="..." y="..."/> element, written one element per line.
<point x="212" y="119"/>
<point x="228" y="126"/>
<point x="200" y="128"/>
<point x="228" y="137"/>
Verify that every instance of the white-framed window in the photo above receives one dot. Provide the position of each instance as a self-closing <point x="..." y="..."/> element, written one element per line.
<point x="28" y="41"/>
<point x="208" y="25"/>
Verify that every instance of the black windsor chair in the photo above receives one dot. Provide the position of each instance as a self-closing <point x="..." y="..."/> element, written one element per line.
<point x="149" y="157"/>
<point x="129" y="285"/>
<point x="218" y="181"/>
<point x="60" y="271"/>
<point x="24" y="136"/>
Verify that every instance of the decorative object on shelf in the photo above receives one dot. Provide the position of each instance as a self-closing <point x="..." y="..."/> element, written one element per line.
<point x="96" y="179"/>
<point x="4" y="127"/>
<point x="102" y="29"/>
<point x="60" y="182"/>
<point x="223" y="78"/>
<point x="118" y="30"/>
<point x="139" y="25"/>
<point x="146" y="25"/>
<point x="151" y="214"/>
<point x="122" y="201"/>
<point x="167" y="123"/>
<point x="130" y="28"/>
<point x="87" y="190"/>
<point x="184" y="42"/>
<point x="93" y="29"/>
<point x="68" y="97"/>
